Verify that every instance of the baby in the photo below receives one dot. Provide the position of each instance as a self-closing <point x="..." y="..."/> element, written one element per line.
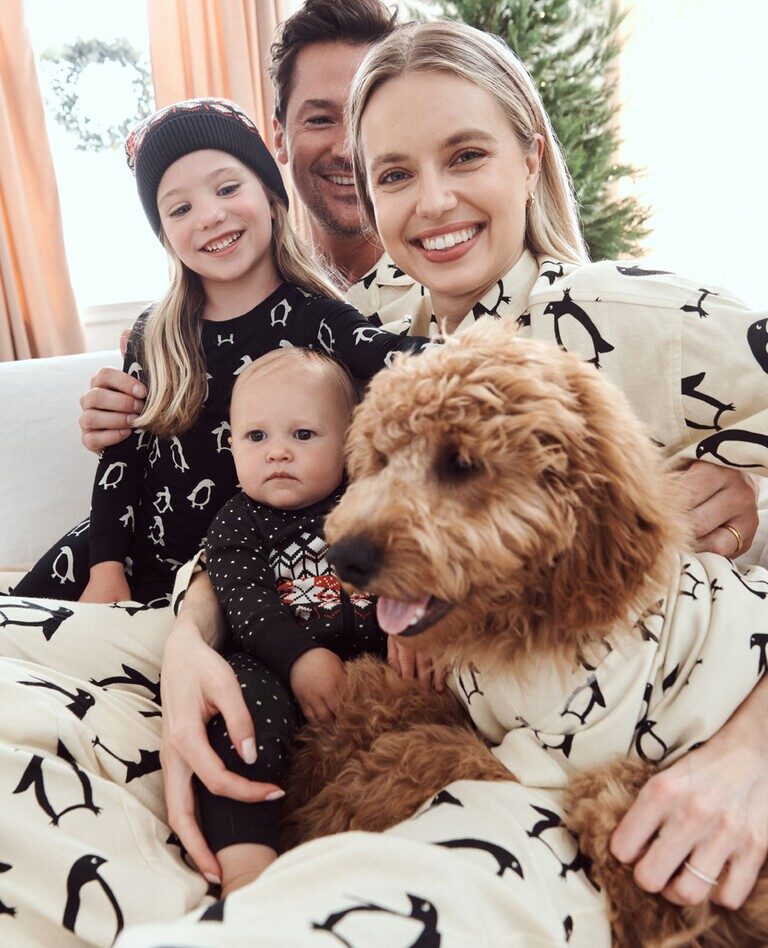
<point x="292" y="624"/>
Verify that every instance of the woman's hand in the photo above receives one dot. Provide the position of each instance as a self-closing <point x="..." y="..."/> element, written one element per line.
<point x="709" y="808"/>
<point x="409" y="663"/>
<point x="107" y="583"/>
<point x="196" y="683"/>
<point x="718" y="496"/>
<point x="316" y="679"/>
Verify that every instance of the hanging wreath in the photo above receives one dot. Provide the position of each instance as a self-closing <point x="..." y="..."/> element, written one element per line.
<point x="67" y="67"/>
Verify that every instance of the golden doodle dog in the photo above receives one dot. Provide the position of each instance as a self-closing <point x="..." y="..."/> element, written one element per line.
<point x="515" y="521"/>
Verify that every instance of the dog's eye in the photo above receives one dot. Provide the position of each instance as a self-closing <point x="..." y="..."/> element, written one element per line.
<point x="457" y="466"/>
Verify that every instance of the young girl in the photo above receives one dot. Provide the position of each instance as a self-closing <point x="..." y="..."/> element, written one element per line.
<point x="242" y="285"/>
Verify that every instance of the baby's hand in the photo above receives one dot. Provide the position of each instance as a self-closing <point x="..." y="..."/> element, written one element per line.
<point x="409" y="663"/>
<point x="316" y="679"/>
<point x="107" y="583"/>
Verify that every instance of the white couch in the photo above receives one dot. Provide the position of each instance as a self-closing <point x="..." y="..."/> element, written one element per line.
<point x="45" y="472"/>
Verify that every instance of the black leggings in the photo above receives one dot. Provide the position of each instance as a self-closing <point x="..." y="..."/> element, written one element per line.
<point x="276" y="717"/>
<point x="63" y="573"/>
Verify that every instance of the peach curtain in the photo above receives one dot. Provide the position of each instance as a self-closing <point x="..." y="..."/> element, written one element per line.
<point x="38" y="314"/>
<point x="215" y="47"/>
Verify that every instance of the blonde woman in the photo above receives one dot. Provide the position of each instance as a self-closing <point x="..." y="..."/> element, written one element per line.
<point x="458" y="169"/>
<point x="243" y="285"/>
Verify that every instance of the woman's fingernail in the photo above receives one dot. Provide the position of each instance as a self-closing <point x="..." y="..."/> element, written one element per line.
<point x="138" y="391"/>
<point x="248" y="750"/>
<point x="275" y="795"/>
<point x="214" y="880"/>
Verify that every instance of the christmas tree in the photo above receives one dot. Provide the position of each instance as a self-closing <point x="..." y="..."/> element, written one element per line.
<point x="570" y="48"/>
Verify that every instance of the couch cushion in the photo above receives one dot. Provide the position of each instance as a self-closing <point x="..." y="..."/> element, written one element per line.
<point x="45" y="472"/>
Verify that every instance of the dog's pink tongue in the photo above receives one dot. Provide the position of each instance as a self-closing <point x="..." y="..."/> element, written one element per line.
<point x="394" y="616"/>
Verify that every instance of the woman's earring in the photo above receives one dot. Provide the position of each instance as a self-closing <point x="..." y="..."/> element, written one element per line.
<point x="531" y="200"/>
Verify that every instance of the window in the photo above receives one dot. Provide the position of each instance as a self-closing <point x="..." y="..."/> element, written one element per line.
<point x="113" y="256"/>
<point x="693" y="116"/>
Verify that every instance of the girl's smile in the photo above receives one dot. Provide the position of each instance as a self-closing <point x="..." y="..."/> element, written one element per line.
<point x="224" y="243"/>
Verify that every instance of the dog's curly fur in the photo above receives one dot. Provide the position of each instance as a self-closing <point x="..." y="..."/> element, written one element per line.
<point x="506" y="478"/>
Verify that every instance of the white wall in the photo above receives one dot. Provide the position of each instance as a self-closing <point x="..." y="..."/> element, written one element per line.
<point x="694" y="87"/>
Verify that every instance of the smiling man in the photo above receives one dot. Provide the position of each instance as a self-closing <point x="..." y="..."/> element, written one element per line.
<point x="314" y="59"/>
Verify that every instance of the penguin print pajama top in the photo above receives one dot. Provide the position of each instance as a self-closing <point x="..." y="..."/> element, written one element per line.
<point x="154" y="498"/>
<point x="148" y="483"/>
<point x="690" y="357"/>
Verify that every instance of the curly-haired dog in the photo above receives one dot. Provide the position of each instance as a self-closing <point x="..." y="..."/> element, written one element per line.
<point x="515" y="520"/>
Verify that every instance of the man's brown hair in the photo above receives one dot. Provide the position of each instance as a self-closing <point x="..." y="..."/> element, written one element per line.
<point x="324" y="21"/>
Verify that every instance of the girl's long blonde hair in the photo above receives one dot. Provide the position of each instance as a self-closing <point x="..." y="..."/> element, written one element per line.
<point x="169" y="344"/>
<point x="552" y="222"/>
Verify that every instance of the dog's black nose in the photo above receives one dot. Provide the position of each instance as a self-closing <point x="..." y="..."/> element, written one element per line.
<point x="355" y="560"/>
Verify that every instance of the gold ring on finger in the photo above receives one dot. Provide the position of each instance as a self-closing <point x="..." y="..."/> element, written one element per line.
<point x="736" y="536"/>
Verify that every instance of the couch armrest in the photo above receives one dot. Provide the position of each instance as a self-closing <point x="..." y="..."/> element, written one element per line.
<point x="45" y="473"/>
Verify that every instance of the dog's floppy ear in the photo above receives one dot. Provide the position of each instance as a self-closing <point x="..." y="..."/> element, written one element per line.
<point x="629" y="520"/>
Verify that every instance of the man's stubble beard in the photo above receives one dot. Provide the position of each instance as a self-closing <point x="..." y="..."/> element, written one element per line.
<point x="318" y="208"/>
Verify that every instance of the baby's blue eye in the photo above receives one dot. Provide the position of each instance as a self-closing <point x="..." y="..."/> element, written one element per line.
<point x="256" y="436"/>
<point x="228" y="189"/>
<point x="303" y="434"/>
<point x="179" y="211"/>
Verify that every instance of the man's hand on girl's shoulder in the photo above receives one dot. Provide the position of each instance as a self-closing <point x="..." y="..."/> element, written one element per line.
<point x="110" y="407"/>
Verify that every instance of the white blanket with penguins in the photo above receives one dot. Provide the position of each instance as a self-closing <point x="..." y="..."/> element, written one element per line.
<point x="86" y="854"/>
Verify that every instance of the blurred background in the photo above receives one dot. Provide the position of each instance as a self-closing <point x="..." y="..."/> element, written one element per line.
<point x="668" y="94"/>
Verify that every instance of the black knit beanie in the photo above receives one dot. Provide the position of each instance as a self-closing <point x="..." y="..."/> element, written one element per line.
<point x="184" y="127"/>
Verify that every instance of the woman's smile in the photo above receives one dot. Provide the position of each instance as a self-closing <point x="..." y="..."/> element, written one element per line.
<point x="448" y="243"/>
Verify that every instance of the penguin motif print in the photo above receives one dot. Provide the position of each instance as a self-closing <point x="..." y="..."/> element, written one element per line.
<point x="201" y="495"/>
<point x="325" y="338"/>
<point x="222" y="434"/>
<point x="85" y="870"/>
<point x="113" y="475"/>
<point x="365" y="334"/>
<point x="424" y="932"/>
<point x="177" y="454"/>
<point x="278" y="315"/>
<point x="162" y="501"/>
<point x="34" y="615"/>
<point x="244" y="363"/>
<point x="63" y="566"/>
<point x="576" y="332"/>
<point x="6" y="909"/>
<point x="157" y="532"/>
<point x="757" y="340"/>
<point x="708" y="417"/>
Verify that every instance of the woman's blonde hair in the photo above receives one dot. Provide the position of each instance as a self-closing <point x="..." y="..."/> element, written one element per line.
<point x="322" y="365"/>
<point x="170" y="341"/>
<point x="552" y="222"/>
